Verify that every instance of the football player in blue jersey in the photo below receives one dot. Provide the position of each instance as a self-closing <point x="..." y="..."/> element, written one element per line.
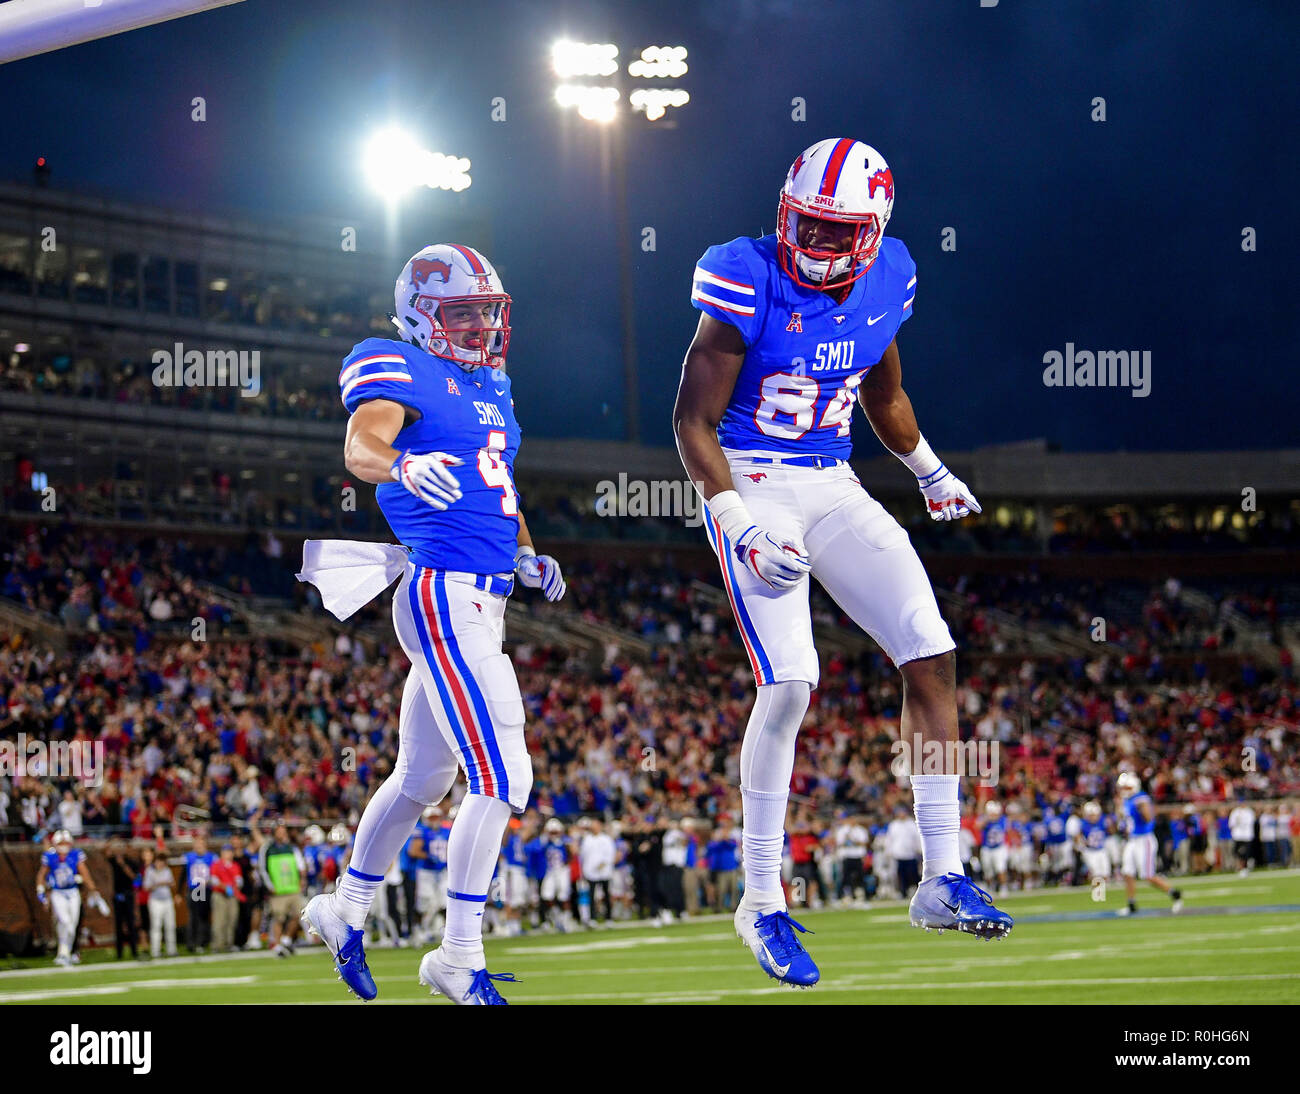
<point x="1089" y="834"/>
<point x="993" y="847"/>
<point x="1139" y="861"/>
<point x="59" y="879"/>
<point x="432" y="424"/>
<point x="796" y="327"/>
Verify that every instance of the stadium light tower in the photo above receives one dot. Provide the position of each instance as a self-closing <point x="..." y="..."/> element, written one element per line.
<point x="602" y="103"/>
<point x="395" y="164"/>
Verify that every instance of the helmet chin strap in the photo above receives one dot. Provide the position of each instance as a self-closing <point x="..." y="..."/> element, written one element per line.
<point x="815" y="269"/>
<point x="453" y="353"/>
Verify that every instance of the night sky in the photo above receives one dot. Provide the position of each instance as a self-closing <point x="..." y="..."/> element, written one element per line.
<point x="1123" y="234"/>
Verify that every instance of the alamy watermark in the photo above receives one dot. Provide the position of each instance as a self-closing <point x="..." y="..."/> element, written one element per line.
<point x="25" y="756"/>
<point x="649" y="498"/>
<point x="975" y="759"/>
<point x="1105" y="368"/>
<point x="181" y="367"/>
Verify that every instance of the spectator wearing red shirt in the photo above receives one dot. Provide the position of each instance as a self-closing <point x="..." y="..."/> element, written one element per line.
<point x="804" y="847"/>
<point x="227" y="892"/>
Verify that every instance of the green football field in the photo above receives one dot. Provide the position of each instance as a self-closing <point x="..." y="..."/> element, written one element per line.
<point x="1238" y="941"/>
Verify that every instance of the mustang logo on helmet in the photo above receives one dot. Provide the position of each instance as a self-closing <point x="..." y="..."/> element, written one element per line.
<point x="883" y="178"/>
<point x="424" y="268"/>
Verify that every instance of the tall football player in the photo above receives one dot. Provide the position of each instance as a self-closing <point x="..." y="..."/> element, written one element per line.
<point x="795" y="327"/>
<point x="433" y="426"/>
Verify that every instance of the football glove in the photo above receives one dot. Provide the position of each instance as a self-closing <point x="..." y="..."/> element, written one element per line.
<point x="98" y="903"/>
<point x="540" y="572"/>
<point x="948" y="498"/>
<point x="776" y="560"/>
<point x="426" y="476"/>
<point x="40" y="894"/>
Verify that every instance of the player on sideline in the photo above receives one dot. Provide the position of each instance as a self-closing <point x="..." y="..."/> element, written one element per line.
<point x="1089" y="834"/>
<point x="1140" y="847"/>
<point x="796" y="326"/>
<point x="418" y="409"/>
<point x="63" y="869"/>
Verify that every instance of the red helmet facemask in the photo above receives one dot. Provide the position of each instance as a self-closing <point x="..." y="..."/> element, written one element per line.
<point x="841" y="268"/>
<point x="493" y="341"/>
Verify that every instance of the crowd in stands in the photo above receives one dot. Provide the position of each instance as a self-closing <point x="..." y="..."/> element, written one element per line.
<point x="130" y="382"/>
<point x="115" y="582"/>
<point x="222" y="729"/>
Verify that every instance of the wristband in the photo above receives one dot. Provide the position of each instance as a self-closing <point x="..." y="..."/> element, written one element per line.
<point x="924" y="464"/>
<point x="396" y="469"/>
<point x="732" y="515"/>
<point x="524" y="551"/>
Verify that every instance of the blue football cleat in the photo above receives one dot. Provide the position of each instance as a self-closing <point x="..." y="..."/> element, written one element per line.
<point x="346" y="945"/>
<point x="952" y="902"/>
<point x="780" y="953"/>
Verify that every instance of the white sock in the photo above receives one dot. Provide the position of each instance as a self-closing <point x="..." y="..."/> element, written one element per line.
<point x="766" y="765"/>
<point x="388" y="821"/>
<point x="938" y="816"/>
<point x="472" y="853"/>
<point x="762" y="840"/>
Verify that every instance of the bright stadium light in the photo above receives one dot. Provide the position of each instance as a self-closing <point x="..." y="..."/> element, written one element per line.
<point x="394" y="163"/>
<point x="597" y="104"/>
<point x="660" y="63"/>
<point x="570" y="59"/>
<point x="656" y="100"/>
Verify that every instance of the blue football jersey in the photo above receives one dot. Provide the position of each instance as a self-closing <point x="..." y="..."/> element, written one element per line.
<point x="535" y="853"/>
<point x="995" y="832"/>
<point x="61" y="873"/>
<point x="312" y="855"/>
<point x="557" y="854"/>
<point x="1094" y="834"/>
<point x="466" y="414"/>
<point x="435" y="848"/>
<point x="513" y="851"/>
<point x="1136" y="825"/>
<point x="1056" y="825"/>
<point x="806" y="354"/>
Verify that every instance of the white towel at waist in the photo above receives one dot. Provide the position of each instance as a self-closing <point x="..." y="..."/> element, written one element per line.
<point x="350" y="572"/>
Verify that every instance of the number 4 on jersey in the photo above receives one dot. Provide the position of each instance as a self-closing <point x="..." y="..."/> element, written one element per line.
<point x="496" y="474"/>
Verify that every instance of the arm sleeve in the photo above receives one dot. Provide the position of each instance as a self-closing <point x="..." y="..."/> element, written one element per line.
<point x="374" y="372"/>
<point x="726" y="288"/>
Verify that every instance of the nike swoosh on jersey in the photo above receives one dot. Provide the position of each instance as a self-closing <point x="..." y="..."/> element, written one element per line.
<point x="877" y="319"/>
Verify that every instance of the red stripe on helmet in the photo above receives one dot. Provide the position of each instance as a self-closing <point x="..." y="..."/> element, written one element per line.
<point x="831" y="176"/>
<point x="471" y="258"/>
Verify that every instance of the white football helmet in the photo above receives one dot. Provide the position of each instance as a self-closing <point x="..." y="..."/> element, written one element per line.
<point x="440" y="274"/>
<point x="842" y="180"/>
<point x="554" y="825"/>
<point x="61" y="836"/>
<point x="314" y="834"/>
<point x="1092" y="811"/>
<point x="1128" y="784"/>
<point x="993" y="809"/>
<point x="339" y="833"/>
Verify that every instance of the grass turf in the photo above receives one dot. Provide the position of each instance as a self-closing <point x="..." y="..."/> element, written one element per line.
<point x="1238" y="941"/>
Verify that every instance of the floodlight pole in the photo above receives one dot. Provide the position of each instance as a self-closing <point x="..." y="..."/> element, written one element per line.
<point x="631" y="393"/>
